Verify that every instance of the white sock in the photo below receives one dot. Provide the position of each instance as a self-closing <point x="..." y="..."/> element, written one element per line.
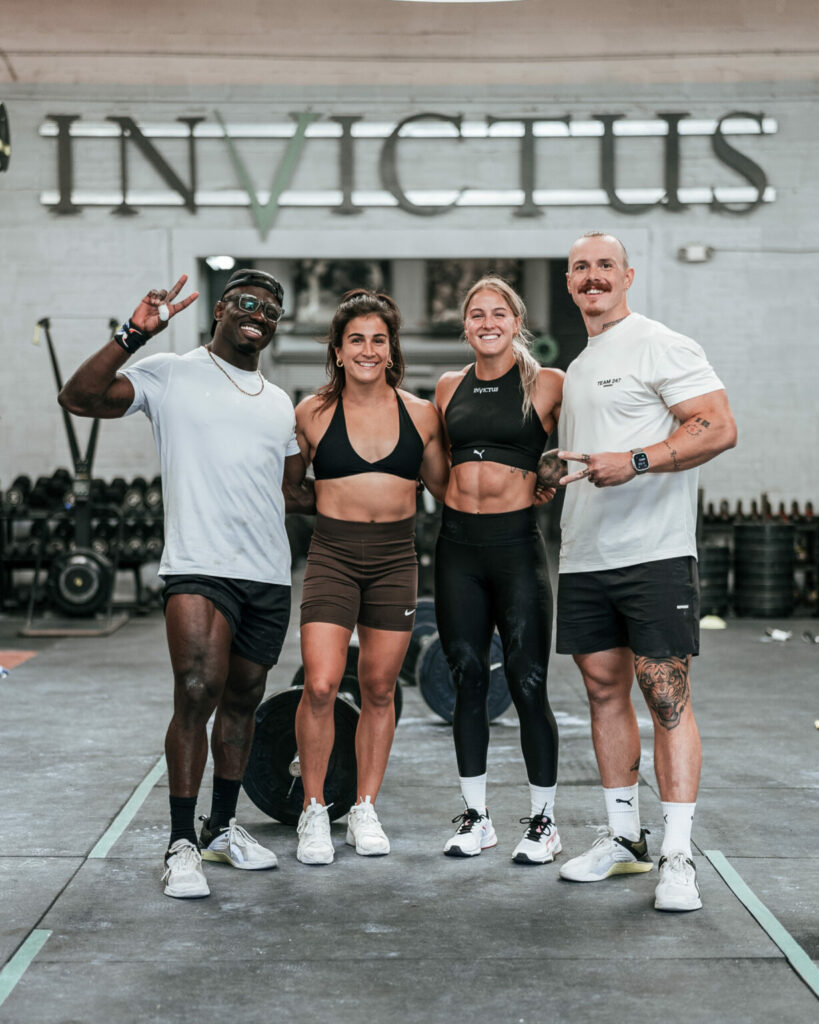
<point x="623" y="809"/>
<point x="542" y="800"/>
<point x="473" y="791"/>
<point x="678" y="820"/>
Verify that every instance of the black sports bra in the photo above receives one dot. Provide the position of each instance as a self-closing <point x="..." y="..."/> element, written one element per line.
<point x="485" y="423"/>
<point x="335" y="456"/>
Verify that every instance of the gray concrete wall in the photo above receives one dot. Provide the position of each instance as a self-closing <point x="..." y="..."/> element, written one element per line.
<point x="752" y="306"/>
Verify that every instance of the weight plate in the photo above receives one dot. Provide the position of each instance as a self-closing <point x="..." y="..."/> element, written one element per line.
<point x="80" y="582"/>
<point x="267" y="780"/>
<point x="436" y="685"/>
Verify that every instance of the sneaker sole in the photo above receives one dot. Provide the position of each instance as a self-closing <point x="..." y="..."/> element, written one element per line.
<point x="456" y="851"/>
<point x="224" y="858"/>
<point x="637" y="868"/>
<point x="677" y="906"/>
<point x="350" y="841"/>
<point x="313" y="861"/>
<point x="678" y="909"/>
<point x="185" y="895"/>
<point x="524" y="858"/>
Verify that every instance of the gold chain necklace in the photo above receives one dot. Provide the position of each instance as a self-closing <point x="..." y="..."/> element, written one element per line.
<point x="250" y="394"/>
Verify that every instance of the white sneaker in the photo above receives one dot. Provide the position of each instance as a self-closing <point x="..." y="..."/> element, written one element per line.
<point x="183" y="876"/>
<point x="609" y="855"/>
<point x="235" y="846"/>
<point x="364" y="831"/>
<point x="315" y="844"/>
<point x="677" y="888"/>
<point x="540" y="843"/>
<point x="476" y="833"/>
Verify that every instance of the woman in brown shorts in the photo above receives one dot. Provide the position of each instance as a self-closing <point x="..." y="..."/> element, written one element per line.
<point x="368" y="442"/>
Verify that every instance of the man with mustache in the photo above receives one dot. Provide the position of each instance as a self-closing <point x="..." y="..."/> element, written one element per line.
<point x="226" y="441"/>
<point x="642" y="408"/>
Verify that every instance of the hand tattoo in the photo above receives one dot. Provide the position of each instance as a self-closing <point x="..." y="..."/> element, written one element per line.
<point x="550" y="469"/>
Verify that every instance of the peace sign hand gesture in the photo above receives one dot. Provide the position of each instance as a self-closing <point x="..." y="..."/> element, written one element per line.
<point x="153" y="313"/>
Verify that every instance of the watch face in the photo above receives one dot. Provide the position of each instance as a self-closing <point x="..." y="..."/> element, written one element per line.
<point x="640" y="462"/>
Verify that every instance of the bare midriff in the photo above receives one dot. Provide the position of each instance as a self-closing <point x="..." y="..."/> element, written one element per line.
<point x="489" y="487"/>
<point x="367" y="498"/>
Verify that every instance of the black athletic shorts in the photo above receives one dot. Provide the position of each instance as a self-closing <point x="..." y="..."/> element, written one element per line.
<point x="653" y="608"/>
<point x="257" y="613"/>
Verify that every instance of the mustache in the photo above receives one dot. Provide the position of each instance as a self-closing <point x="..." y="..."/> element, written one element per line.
<point x="602" y="286"/>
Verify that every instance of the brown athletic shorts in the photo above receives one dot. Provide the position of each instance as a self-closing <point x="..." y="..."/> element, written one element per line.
<point x="361" y="573"/>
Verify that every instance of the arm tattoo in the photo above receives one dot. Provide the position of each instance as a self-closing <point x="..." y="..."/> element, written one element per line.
<point x="696" y="426"/>
<point x="664" y="682"/>
<point x="673" y="452"/>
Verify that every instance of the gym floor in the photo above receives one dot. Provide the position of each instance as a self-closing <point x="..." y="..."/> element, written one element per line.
<point x="87" y="936"/>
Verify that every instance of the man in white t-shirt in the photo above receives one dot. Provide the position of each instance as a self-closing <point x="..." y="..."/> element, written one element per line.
<point x="642" y="408"/>
<point x="226" y="442"/>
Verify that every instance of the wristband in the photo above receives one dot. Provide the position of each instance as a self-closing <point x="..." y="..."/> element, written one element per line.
<point x="130" y="338"/>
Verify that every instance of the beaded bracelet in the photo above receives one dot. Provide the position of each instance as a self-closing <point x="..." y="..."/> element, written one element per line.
<point x="130" y="338"/>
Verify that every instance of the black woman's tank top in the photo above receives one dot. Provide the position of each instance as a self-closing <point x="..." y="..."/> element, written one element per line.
<point x="485" y="423"/>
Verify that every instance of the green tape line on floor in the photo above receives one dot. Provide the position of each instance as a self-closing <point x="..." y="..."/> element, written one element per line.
<point x="16" y="967"/>
<point x="126" y="815"/>
<point x="792" y="951"/>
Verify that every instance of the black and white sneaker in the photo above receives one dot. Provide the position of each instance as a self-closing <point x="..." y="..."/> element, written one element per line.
<point x="540" y="843"/>
<point x="475" y="833"/>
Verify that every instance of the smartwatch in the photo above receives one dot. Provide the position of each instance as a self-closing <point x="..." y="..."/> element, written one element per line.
<point x="639" y="460"/>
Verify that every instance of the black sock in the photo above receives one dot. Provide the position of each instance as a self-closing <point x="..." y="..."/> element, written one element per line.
<point x="223" y="803"/>
<point x="183" y="810"/>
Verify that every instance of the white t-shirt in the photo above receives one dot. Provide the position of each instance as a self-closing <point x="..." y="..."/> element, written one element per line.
<point x="616" y="397"/>
<point x="222" y="458"/>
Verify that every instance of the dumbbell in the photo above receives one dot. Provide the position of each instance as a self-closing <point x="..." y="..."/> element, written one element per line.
<point x="153" y="496"/>
<point x="17" y="495"/>
<point x="134" y="497"/>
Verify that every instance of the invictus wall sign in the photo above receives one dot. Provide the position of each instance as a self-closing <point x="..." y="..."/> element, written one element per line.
<point x="248" y="149"/>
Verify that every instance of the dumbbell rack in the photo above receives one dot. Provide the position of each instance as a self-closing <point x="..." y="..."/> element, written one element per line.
<point x="41" y="562"/>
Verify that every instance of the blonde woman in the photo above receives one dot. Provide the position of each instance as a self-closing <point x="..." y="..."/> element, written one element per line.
<point x="490" y="568"/>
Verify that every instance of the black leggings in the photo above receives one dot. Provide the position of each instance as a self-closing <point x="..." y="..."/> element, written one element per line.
<point x="490" y="570"/>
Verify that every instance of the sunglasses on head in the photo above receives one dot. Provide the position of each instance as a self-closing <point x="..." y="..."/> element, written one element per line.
<point x="249" y="304"/>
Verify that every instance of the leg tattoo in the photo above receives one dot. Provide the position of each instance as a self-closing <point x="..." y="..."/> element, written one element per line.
<point x="664" y="682"/>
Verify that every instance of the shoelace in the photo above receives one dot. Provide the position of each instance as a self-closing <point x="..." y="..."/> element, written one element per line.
<point x="539" y="825"/>
<point x="365" y="814"/>
<point x="677" y="863"/>
<point x="186" y="859"/>
<point x="236" y="834"/>
<point x="469" y="819"/>
<point x="310" y="821"/>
